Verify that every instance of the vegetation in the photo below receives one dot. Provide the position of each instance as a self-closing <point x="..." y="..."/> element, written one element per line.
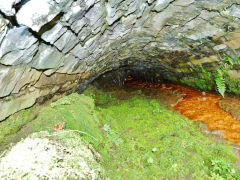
<point x="203" y="79"/>
<point x="220" y="82"/>
<point x="138" y="138"/>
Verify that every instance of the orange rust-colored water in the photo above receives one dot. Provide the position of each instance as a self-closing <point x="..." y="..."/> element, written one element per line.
<point x="198" y="106"/>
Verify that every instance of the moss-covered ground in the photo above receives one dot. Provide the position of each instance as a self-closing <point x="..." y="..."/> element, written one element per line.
<point x="137" y="137"/>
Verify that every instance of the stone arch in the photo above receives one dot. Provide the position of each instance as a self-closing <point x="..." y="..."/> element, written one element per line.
<point x="53" y="45"/>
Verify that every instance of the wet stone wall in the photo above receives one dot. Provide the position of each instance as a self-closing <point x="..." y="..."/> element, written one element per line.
<point x="47" y="46"/>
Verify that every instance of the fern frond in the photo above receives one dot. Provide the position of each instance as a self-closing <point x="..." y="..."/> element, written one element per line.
<point x="220" y="82"/>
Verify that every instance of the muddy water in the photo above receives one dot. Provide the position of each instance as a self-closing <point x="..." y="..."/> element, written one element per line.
<point x="200" y="106"/>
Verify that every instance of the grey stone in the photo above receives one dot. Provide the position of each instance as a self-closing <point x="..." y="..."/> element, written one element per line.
<point x="75" y="13"/>
<point x="114" y="3"/>
<point x="3" y="27"/>
<point x="111" y="20"/>
<point x="49" y="72"/>
<point x="132" y="7"/>
<point x="79" y="24"/>
<point x="159" y="20"/>
<point x="150" y="1"/>
<point x="92" y="43"/>
<point x="66" y="42"/>
<point x="84" y="33"/>
<point x="9" y="77"/>
<point x="183" y="2"/>
<point x="71" y="63"/>
<point x="53" y="34"/>
<point x="7" y="7"/>
<point x="89" y="3"/>
<point x="35" y="13"/>
<point x="96" y="28"/>
<point x="140" y="9"/>
<point x="8" y="108"/>
<point x="28" y="78"/>
<point x="111" y="11"/>
<point x="64" y="4"/>
<point x="206" y="15"/>
<point x="234" y="11"/>
<point x="161" y="4"/>
<point x="47" y="58"/>
<point x="203" y="31"/>
<point x="219" y="47"/>
<point x="14" y="52"/>
<point x="94" y="14"/>
<point x="80" y="52"/>
<point x="93" y="36"/>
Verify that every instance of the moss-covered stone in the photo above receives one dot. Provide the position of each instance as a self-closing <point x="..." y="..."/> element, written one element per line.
<point x="59" y="155"/>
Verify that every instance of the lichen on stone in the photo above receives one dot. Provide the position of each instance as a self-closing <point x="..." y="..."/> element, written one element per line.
<point x="60" y="155"/>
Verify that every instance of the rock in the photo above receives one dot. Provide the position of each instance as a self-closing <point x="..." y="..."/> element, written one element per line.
<point x="9" y="76"/>
<point x="161" y="4"/>
<point x="80" y="52"/>
<point x="53" y="34"/>
<point x="112" y="14"/>
<point x="3" y="27"/>
<point x="50" y="72"/>
<point x="71" y="63"/>
<point x="204" y="30"/>
<point x="90" y="37"/>
<point x="150" y="1"/>
<point x="61" y="155"/>
<point x="114" y="3"/>
<point x="201" y="61"/>
<point x="35" y="13"/>
<point x="8" y="108"/>
<point x="234" y="11"/>
<point x="234" y="40"/>
<point x="79" y="24"/>
<point x="234" y="74"/>
<point x="140" y="9"/>
<point x="94" y="14"/>
<point x="84" y="33"/>
<point x="183" y="2"/>
<point x="75" y="12"/>
<point x="14" y="52"/>
<point x="66" y="42"/>
<point x="7" y="7"/>
<point x="64" y="4"/>
<point x="89" y="3"/>
<point x="219" y="47"/>
<point x="29" y="77"/>
<point x="47" y="58"/>
<point x="110" y="11"/>
<point x="206" y="15"/>
<point x="55" y="79"/>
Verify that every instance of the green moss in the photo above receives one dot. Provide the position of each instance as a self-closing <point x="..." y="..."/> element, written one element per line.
<point x="14" y="123"/>
<point x="156" y="143"/>
<point x="138" y="138"/>
<point x="233" y="86"/>
<point x="78" y="113"/>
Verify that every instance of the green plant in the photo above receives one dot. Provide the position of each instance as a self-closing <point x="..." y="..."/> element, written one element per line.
<point x="62" y="101"/>
<point x="221" y="170"/>
<point x="220" y="82"/>
<point x="229" y="60"/>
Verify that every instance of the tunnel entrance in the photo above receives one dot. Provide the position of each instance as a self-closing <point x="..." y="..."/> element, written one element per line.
<point x="136" y="124"/>
<point x="194" y="103"/>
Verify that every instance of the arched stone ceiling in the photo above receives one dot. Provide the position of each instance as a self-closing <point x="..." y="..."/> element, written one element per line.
<point x="53" y="45"/>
